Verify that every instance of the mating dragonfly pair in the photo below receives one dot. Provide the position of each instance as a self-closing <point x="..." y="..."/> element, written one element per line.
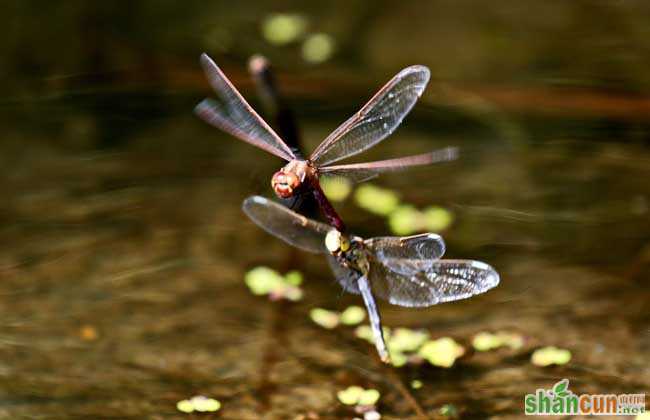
<point x="405" y="271"/>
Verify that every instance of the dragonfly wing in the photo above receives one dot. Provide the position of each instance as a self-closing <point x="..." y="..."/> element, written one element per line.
<point x="419" y="283"/>
<point x="287" y="225"/>
<point x="359" y="172"/>
<point x="353" y="282"/>
<point x="422" y="249"/>
<point x="348" y="279"/>
<point x="235" y="116"/>
<point x="376" y="120"/>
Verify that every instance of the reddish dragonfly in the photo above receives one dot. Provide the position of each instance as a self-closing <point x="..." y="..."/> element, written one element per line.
<point x="375" y="121"/>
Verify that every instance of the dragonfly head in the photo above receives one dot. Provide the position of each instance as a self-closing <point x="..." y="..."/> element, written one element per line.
<point x="337" y="243"/>
<point x="285" y="183"/>
<point x="287" y="180"/>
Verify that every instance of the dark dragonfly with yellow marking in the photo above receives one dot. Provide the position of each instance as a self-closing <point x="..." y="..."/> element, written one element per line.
<point x="374" y="122"/>
<point x="405" y="271"/>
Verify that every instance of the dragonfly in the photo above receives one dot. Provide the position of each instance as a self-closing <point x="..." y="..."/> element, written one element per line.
<point x="374" y="122"/>
<point x="405" y="271"/>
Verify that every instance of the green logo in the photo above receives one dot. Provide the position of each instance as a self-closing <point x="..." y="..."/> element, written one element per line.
<point x="559" y="400"/>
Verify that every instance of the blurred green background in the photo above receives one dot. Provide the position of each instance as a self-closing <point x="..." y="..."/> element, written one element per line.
<point x="124" y="248"/>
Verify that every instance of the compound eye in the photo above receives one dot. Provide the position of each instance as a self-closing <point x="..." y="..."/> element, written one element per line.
<point x="284" y="184"/>
<point x="333" y="241"/>
<point x="344" y="244"/>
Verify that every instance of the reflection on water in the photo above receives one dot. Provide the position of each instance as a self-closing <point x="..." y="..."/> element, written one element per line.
<point x="126" y="251"/>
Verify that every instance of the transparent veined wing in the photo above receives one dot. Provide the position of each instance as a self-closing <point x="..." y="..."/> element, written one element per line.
<point x="235" y="116"/>
<point x="346" y="277"/>
<point x="287" y="225"/>
<point x="354" y="282"/>
<point x="425" y="247"/>
<point x="420" y="283"/>
<point x="376" y="120"/>
<point x="359" y="172"/>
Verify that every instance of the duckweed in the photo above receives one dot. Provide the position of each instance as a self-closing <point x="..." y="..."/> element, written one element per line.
<point x="336" y="188"/>
<point x="283" y="28"/>
<point x="364" y="332"/>
<point x="449" y="410"/>
<point x="369" y="397"/>
<point x="350" y="395"/>
<point x="324" y="318"/>
<point x="266" y="281"/>
<point x="356" y="395"/>
<point x="437" y="219"/>
<point x="397" y="358"/>
<point x="416" y="384"/>
<point x="198" y="403"/>
<point x="263" y="280"/>
<point x="550" y="355"/>
<point x="404" y="343"/>
<point x="377" y="200"/>
<point x="442" y="352"/>
<point x="293" y="278"/>
<point x="406" y="220"/>
<point x="353" y="315"/>
<point x="486" y="341"/>
<point x="318" y="48"/>
<point x="406" y="340"/>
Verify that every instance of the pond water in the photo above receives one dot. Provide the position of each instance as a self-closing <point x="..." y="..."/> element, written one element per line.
<point x="125" y="250"/>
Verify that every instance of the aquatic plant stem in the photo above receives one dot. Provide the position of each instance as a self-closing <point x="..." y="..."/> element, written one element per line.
<point x="273" y="103"/>
<point x="404" y="391"/>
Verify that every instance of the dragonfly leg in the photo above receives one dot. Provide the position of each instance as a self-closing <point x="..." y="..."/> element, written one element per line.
<point x="375" y="320"/>
<point x="295" y="202"/>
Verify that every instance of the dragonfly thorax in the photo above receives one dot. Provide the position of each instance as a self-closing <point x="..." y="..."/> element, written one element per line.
<point x="348" y="251"/>
<point x="291" y="177"/>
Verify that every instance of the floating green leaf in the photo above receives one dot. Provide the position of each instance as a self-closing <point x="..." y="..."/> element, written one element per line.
<point x="486" y="341"/>
<point x="283" y="28"/>
<point x="324" y="318"/>
<point x="185" y="406"/>
<point x="397" y="358"/>
<point x="365" y="333"/>
<point x="551" y="355"/>
<point x="416" y="384"/>
<point x="266" y="281"/>
<point x="406" y="340"/>
<point x="353" y="315"/>
<point x="437" y="219"/>
<point x="350" y="395"/>
<point x="291" y="293"/>
<point x="369" y="397"/>
<point x="376" y="200"/>
<point x="318" y="48"/>
<point x="198" y="403"/>
<point x="294" y="278"/>
<point x="405" y="220"/>
<point x="263" y="280"/>
<point x="336" y="188"/>
<point x="449" y="410"/>
<point x="356" y="395"/>
<point x="442" y="352"/>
